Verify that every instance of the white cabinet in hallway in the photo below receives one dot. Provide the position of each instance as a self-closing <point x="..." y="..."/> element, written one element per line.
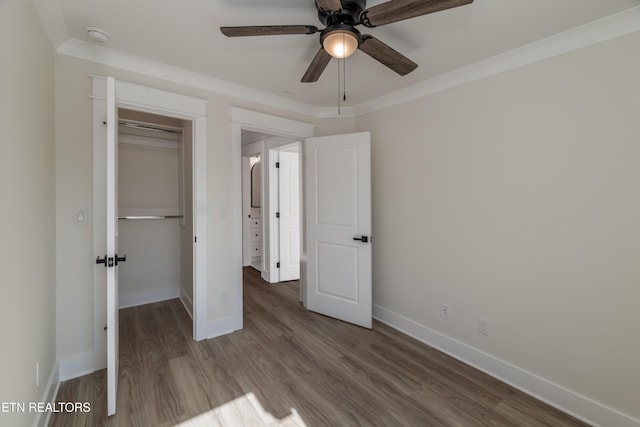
<point x="256" y="243"/>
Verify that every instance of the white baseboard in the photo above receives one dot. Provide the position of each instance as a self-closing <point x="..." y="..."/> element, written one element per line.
<point x="219" y="327"/>
<point x="132" y="299"/>
<point x="186" y="302"/>
<point x="570" y="402"/>
<point x="76" y="366"/>
<point x="49" y="396"/>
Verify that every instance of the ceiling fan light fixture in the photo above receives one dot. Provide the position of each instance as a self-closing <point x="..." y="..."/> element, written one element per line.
<point x="340" y="43"/>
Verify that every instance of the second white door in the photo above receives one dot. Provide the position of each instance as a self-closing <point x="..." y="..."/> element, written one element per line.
<point x="289" y="192"/>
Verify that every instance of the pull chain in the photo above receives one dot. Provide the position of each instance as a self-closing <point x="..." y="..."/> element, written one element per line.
<point x="344" y="79"/>
<point x="338" y="87"/>
<point x="344" y="67"/>
<point x="344" y="75"/>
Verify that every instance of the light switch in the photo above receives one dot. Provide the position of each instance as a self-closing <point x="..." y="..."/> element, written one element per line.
<point x="80" y="216"/>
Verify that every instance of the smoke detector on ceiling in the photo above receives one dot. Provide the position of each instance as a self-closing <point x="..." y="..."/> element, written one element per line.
<point x="98" y="35"/>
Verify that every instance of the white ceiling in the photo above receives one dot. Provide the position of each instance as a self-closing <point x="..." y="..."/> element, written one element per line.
<point x="186" y="34"/>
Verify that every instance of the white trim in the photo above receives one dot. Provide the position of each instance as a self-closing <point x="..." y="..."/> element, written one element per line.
<point x="604" y="29"/>
<point x="613" y="26"/>
<point x="111" y="57"/>
<point x="161" y="101"/>
<point x="273" y="125"/>
<point x="148" y="296"/>
<point x="49" y="396"/>
<point x="236" y="230"/>
<point x="222" y="326"/>
<point x="572" y="403"/>
<point x="186" y="302"/>
<point x="77" y="365"/>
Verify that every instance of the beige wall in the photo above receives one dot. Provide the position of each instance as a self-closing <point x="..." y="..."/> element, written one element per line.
<point x="148" y="185"/>
<point x="516" y="198"/>
<point x="27" y="209"/>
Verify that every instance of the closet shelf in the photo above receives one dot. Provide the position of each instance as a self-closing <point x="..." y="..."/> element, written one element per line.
<point x="135" y="217"/>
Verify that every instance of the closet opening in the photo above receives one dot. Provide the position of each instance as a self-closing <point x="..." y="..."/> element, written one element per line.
<point x="155" y="214"/>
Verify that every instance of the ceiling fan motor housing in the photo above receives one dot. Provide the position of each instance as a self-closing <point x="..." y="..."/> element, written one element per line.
<point x="340" y="27"/>
<point x="340" y="39"/>
<point x="349" y="14"/>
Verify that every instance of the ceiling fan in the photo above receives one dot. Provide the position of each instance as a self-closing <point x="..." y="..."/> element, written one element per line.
<point x="340" y="38"/>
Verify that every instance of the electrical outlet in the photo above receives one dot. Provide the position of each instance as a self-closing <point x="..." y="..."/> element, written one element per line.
<point x="483" y="326"/>
<point x="224" y="297"/>
<point x="444" y="311"/>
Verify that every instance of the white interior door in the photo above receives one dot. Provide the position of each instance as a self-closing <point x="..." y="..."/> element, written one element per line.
<point x="338" y="226"/>
<point x="289" y="192"/>
<point x="112" y="246"/>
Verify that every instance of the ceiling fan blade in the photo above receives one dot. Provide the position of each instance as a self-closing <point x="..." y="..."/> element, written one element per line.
<point x="268" y="30"/>
<point x="316" y="67"/>
<point x="399" y="10"/>
<point x="329" y="5"/>
<point x="386" y="55"/>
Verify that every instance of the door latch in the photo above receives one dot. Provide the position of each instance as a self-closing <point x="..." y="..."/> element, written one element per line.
<point x="102" y="260"/>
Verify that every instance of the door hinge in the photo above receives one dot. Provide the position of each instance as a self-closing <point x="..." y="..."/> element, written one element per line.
<point x="277" y="165"/>
<point x="277" y="214"/>
<point x="277" y="265"/>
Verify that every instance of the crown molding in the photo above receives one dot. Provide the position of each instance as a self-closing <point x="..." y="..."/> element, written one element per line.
<point x="613" y="26"/>
<point x="114" y="58"/>
<point x="604" y="29"/>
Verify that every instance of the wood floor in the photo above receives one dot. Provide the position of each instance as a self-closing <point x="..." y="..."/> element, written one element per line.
<point x="290" y="367"/>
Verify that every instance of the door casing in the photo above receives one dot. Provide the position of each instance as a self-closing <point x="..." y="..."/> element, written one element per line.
<point x="264" y="123"/>
<point x="140" y="98"/>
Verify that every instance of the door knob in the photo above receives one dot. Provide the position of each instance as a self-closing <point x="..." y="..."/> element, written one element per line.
<point x="121" y="258"/>
<point x="363" y="239"/>
<point x="102" y="260"/>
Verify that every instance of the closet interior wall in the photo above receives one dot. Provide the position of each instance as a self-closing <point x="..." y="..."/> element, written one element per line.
<point x="154" y="207"/>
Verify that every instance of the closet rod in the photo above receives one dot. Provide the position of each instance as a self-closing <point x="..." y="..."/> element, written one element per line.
<point x="144" y="126"/>
<point x="151" y="217"/>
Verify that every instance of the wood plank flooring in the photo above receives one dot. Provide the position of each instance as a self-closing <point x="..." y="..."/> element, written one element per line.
<point x="290" y="367"/>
